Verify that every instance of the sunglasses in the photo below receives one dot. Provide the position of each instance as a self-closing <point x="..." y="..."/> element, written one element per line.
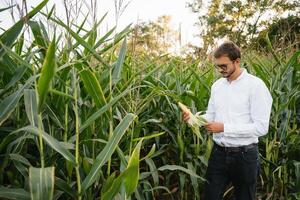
<point x="223" y="66"/>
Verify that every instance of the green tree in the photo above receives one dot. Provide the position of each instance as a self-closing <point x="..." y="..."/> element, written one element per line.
<point x="240" y="21"/>
<point x="283" y="34"/>
<point x="154" y="37"/>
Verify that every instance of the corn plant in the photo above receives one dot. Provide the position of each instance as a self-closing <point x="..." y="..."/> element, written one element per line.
<point x="83" y="117"/>
<point x="281" y="146"/>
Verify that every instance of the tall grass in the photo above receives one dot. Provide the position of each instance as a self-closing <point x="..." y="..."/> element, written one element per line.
<point x="83" y="118"/>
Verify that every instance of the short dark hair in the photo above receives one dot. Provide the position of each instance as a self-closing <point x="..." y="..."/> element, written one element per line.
<point x="229" y="49"/>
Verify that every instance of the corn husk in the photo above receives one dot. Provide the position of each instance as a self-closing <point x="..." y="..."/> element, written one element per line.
<point x="195" y="122"/>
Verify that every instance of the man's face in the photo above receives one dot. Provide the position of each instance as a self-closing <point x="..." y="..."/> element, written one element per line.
<point x="226" y="66"/>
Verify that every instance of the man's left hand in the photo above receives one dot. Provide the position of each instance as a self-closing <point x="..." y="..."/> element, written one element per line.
<point x="214" y="127"/>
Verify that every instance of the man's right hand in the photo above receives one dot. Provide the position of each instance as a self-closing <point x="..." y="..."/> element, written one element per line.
<point x="185" y="116"/>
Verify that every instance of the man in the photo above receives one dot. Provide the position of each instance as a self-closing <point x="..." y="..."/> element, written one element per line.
<point x="238" y="113"/>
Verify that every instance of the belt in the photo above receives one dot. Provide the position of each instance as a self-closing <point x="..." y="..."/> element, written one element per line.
<point x="244" y="148"/>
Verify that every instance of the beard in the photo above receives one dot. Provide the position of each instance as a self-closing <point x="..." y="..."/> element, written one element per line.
<point x="224" y="74"/>
<point x="229" y="73"/>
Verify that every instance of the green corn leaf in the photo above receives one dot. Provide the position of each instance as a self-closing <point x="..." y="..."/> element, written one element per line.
<point x="194" y="179"/>
<point x="38" y="36"/>
<point x="3" y="9"/>
<point x="7" y="64"/>
<point x="41" y="182"/>
<point x="6" y="60"/>
<point x="150" y="153"/>
<point x="103" y="38"/>
<point x="31" y="106"/>
<point x="297" y="176"/>
<point x="102" y="110"/>
<point x="45" y="33"/>
<point x="80" y="28"/>
<point x="149" y="136"/>
<point x="14" y="193"/>
<point x="129" y="177"/>
<point x="180" y="168"/>
<point x="133" y="175"/>
<point x="209" y="146"/>
<point x="270" y="47"/>
<point x="64" y="186"/>
<point x="115" y="186"/>
<point x="91" y="39"/>
<point x="63" y="94"/>
<point x="9" y="103"/>
<point x="118" y="66"/>
<point x="51" y="12"/>
<point x="51" y="141"/>
<point x="108" y="183"/>
<point x="108" y="150"/>
<point x="93" y="87"/>
<point x="153" y="170"/>
<point x="9" y="36"/>
<point x="20" y="44"/>
<point x="20" y="71"/>
<point x="20" y="159"/>
<point x="48" y="72"/>
<point x="80" y="40"/>
<point x="117" y="39"/>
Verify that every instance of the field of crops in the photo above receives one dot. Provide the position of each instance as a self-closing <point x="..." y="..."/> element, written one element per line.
<point x="83" y="117"/>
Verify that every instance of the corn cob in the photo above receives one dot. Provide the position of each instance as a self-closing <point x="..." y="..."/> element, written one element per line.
<point x="194" y="121"/>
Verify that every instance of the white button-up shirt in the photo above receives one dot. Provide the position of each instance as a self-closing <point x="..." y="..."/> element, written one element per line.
<point x="243" y="106"/>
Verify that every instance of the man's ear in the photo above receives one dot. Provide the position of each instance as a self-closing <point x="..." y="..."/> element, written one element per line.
<point x="238" y="60"/>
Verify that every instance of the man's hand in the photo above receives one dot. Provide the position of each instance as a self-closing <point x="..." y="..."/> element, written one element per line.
<point x="185" y="116"/>
<point x="214" y="127"/>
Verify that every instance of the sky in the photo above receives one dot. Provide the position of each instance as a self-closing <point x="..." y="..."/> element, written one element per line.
<point x="137" y="10"/>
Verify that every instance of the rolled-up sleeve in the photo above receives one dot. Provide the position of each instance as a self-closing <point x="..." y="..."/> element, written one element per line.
<point x="260" y="110"/>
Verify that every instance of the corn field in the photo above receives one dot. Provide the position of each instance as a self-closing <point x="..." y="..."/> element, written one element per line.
<point x="82" y="117"/>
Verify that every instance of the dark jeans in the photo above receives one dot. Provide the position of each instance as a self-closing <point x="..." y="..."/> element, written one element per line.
<point x="239" y="168"/>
